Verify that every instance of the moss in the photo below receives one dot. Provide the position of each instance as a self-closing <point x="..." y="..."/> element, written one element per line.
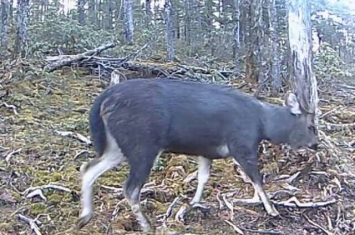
<point x="38" y="208"/>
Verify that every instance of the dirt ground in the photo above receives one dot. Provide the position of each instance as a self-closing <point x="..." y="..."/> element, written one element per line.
<point x="32" y="153"/>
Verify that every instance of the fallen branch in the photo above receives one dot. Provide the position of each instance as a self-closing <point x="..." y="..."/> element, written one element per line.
<point x="10" y="106"/>
<point x="236" y="229"/>
<point x="37" y="191"/>
<point x="292" y="202"/>
<point x="9" y="156"/>
<point x="169" y="210"/>
<point x="75" y="136"/>
<point x="317" y="226"/>
<point x="56" y="62"/>
<point x="32" y="223"/>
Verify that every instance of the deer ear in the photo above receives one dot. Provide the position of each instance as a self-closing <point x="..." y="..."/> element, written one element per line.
<point x="292" y="104"/>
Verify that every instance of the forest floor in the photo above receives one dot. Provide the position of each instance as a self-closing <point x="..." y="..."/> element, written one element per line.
<point x="36" y="108"/>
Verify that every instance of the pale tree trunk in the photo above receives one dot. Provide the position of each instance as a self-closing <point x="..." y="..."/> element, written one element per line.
<point x="253" y="59"/>
<point x="81" y="12"/>
<point x="169" y="30"/>
<point x="107" y="17"/>
<point x="128" y="21"/>
<point x="4" y="22"/>
<point x="302" y="76"/>
<point x="275" y="62"/>
<point x="187" y="23"/>
<point x="265" y="43"/>
<point x="148" y="12"/>
<point x="236" y="36"/>
<point x="92" y="13"/>
<point x="21" y="27"/>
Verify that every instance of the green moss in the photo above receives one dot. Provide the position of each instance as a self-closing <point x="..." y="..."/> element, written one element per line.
<point x="38" y="208"/>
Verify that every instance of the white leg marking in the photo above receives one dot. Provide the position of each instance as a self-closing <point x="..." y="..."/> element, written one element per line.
<point x="136" y="209"/>
<point x="204" y="165"/>
<point x="112" y="157"/>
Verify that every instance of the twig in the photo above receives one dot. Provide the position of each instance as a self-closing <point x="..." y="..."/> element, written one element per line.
<point x="32" y="223"/>
<point x="9" y="156"/>
<point x="229" y="205"/>
<point x="170" y="209"/>
<point x="292" y="202"/>
<point x="75" y="136"/>
<point x="48" y="186"/>
<point x="219" y="200"/>
<point x="37" y="192"/>
<point x="13" y="107"/>
<point x="318" y="226"/>
<point x="190" y="177"/>
<point x="264" y="231"/>
<point x="236" y="229"/>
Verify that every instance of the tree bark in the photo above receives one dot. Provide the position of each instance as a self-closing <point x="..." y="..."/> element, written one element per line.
<point x="128" y="21"/>
<point x="169" y="31"/>
<point x="22" y="34"/>
<point x="302" y="77"/>
<point x="253" y="59"/>
<point x="236" y="36"/>
<point x="275" y="61"/>
<point x="4" y="22"/>
<point x="81" y="12"/>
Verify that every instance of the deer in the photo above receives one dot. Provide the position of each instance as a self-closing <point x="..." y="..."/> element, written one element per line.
<point x="137" y="120"/>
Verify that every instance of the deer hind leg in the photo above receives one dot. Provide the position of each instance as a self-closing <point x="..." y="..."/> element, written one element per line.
<point x="140" y="166"/>
<point x="204" y="166"/>
<point x="91" y="171"/>
<point x="249" y="165"/>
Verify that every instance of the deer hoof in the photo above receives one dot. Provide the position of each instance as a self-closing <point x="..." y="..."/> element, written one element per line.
<point x="83" y="221"/>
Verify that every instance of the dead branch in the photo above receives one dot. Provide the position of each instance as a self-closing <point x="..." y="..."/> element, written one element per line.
<point x="236" y="229"/>
<point x="104" y="66"/>
<point x="338" y="127"/>
<point x="37" y="191"/>
<point x="10" y="106"/>
<point x="12" y="153"/>
<point x="56" y="62"/>
<point x="317" y="226"/>
<point x="292" y="202"/>
<point x="32" y="223"/>
<point x="75" y="136"/>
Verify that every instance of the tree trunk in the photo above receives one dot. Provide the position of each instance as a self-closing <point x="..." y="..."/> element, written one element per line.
<point x="236" y="36"/>
<point x="128" y="21"/>
<point x="81" y="12"/>
<point x="169" y="30"/>
<point x="21" y="27"/>
<point x="253" y="59"/>
<point x="4" y="22"/>
<point x="187" y="28"/>
<point x="302" y="77"/>
<point x="275" y="58"/>
<point x="92" y="14"/>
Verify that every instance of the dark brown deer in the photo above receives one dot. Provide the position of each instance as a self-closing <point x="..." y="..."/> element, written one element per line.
<point x="137" y="120"/>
